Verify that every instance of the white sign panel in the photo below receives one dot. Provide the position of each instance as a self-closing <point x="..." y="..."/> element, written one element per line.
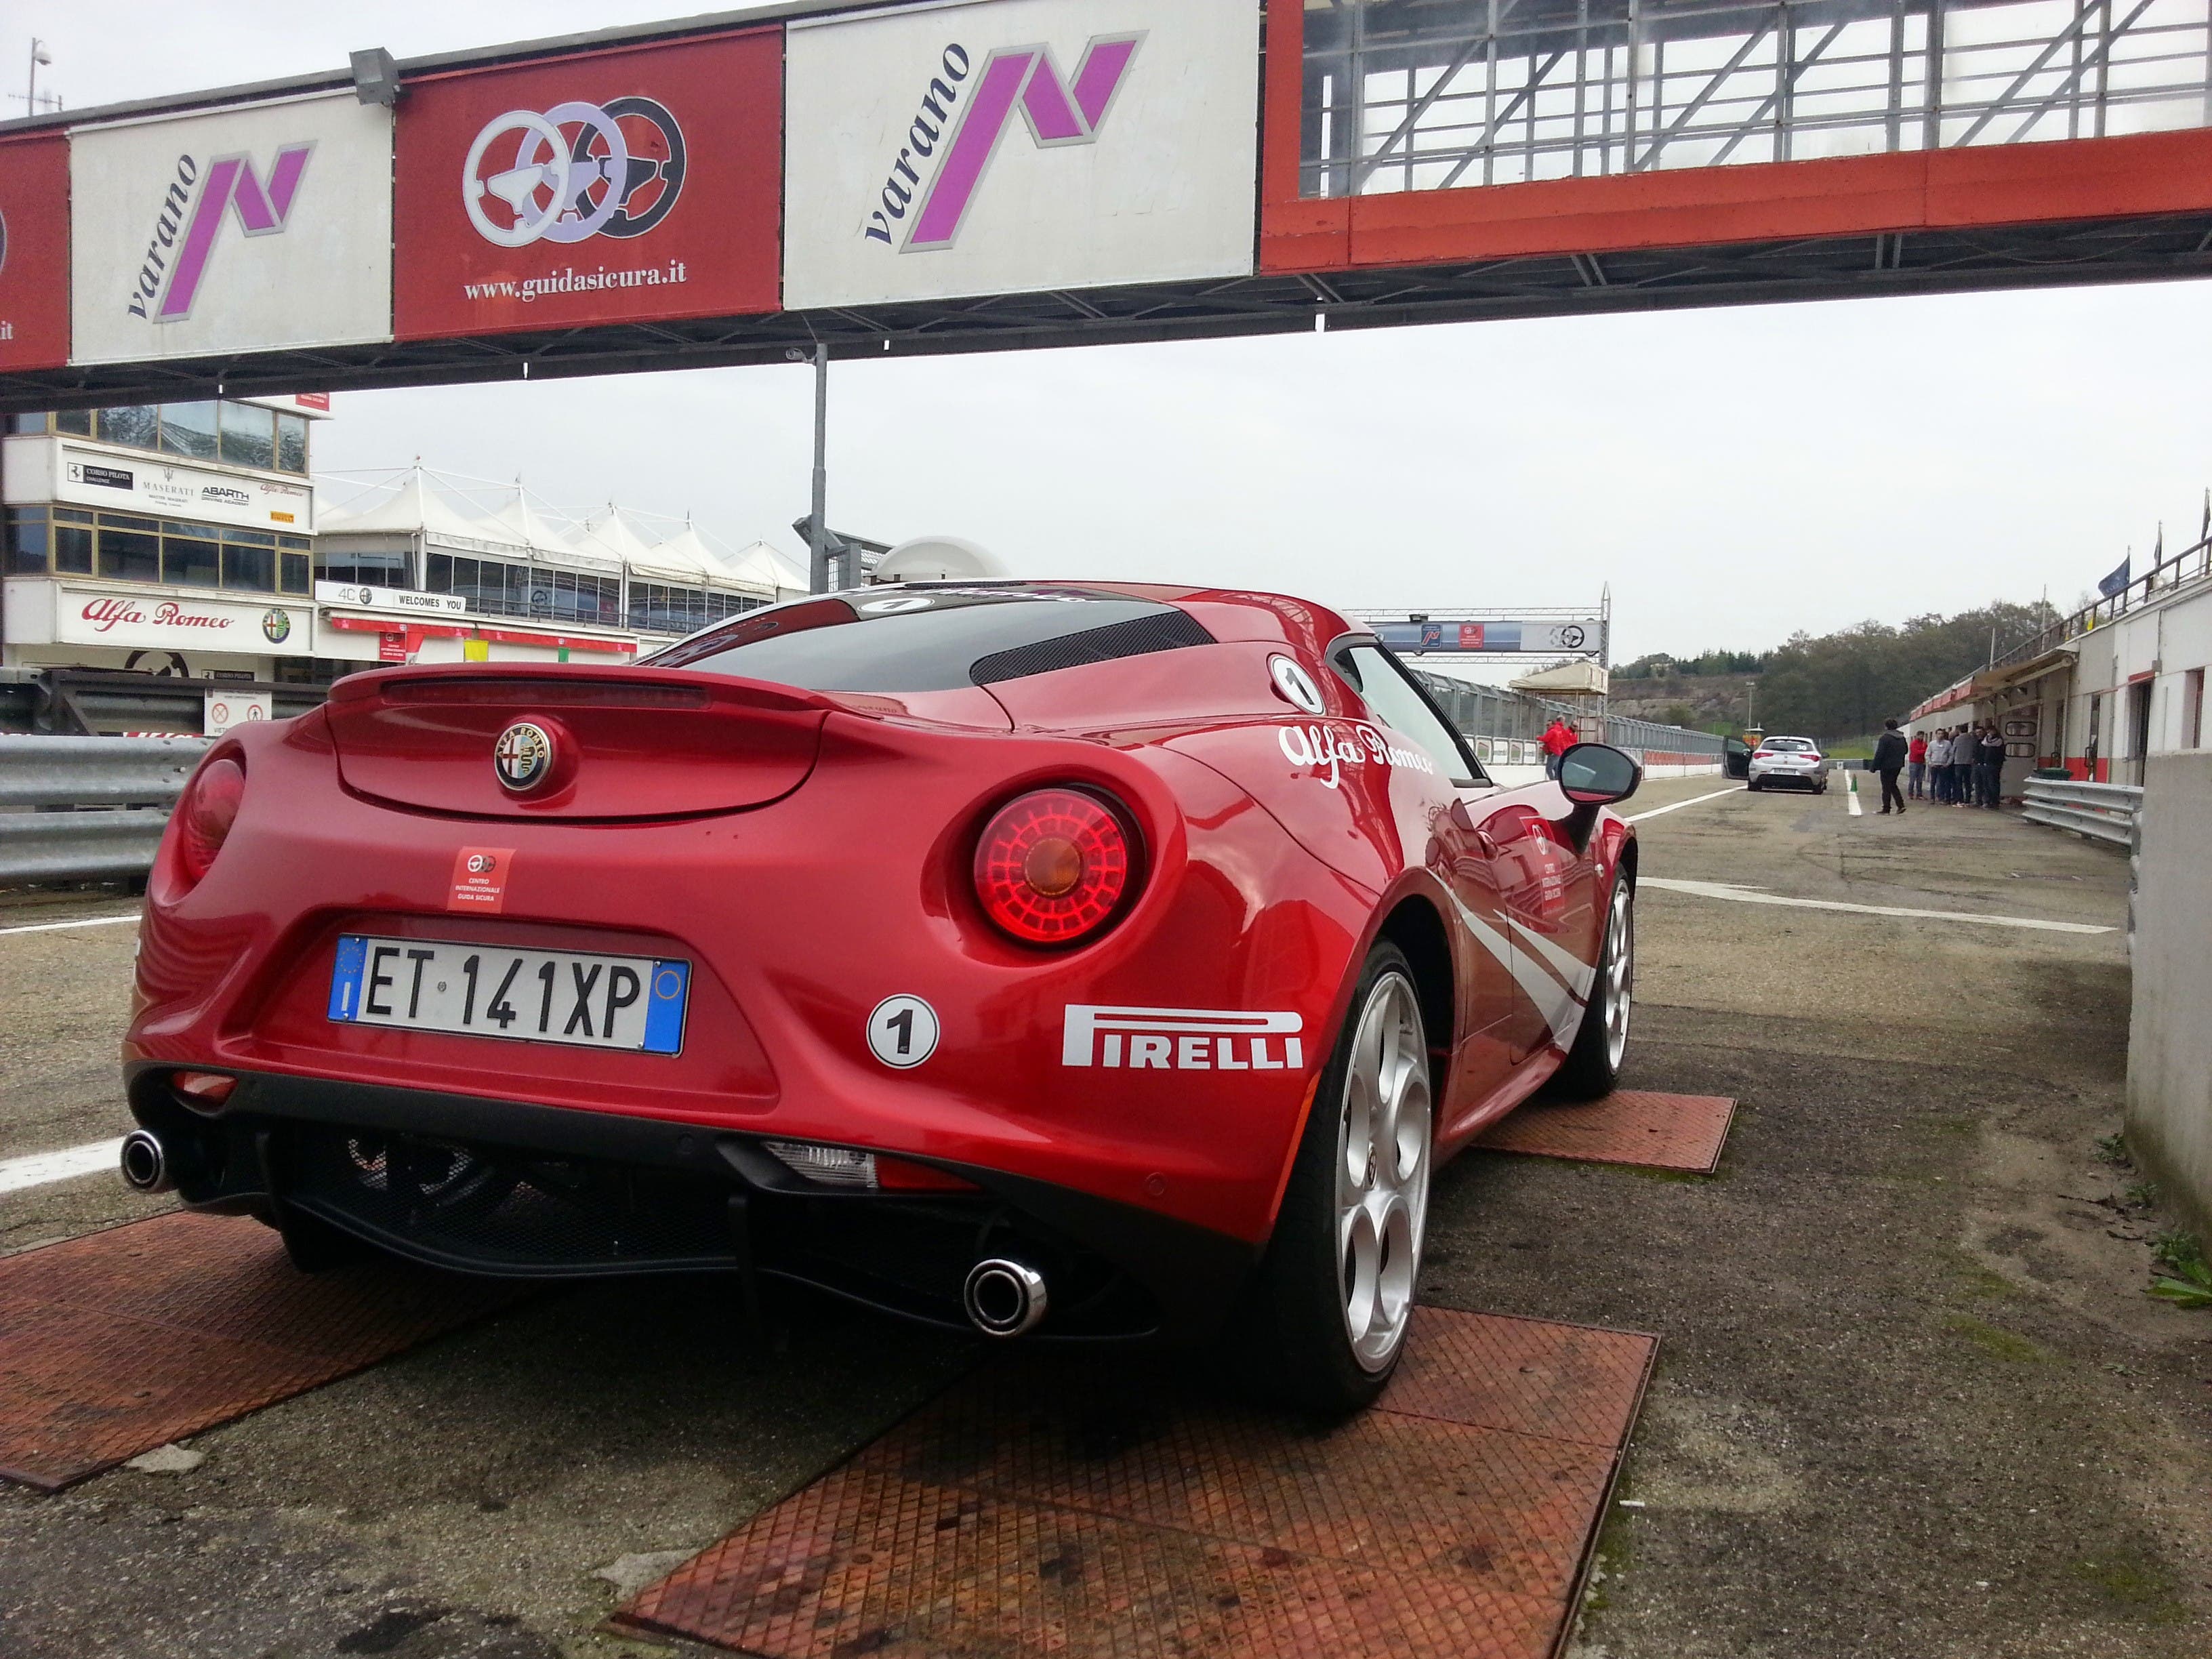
<point x="220" y="710"/>
<point x="147" y="483"/>
<point x="355" y="597"/>
<point x="246" y="628"/>
<point x="1001" y="146"/>
<point x="250" y="228"/>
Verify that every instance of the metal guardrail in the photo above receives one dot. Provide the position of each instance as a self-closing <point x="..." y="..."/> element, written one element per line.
<point x="2104" y="811"/>
<point x="87" y="809"/>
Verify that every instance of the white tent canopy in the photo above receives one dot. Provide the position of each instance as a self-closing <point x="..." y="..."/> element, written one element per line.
<point x="506" y="520"/>
<point x="1582" y="679"/>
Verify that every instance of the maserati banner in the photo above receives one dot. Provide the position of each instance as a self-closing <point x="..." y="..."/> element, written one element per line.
<point x="1001" y="146"/>
<point x="250" y="228"/>
<point x="615" y="186"/>
<point x="34" y="253"/>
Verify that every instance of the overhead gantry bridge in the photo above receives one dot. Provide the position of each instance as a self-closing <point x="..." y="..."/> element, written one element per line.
<point x="735" y="188"/>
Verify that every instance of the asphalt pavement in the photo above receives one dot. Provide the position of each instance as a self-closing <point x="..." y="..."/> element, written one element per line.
<point x="1909" y="1400"/>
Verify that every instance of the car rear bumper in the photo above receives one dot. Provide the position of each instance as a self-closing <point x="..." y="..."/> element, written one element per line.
<point x="1792" y="780"/>
<point x="511" y="1188"/>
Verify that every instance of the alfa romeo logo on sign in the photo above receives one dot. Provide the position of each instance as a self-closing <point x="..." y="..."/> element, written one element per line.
<point x="276" y="626"/>
<point x="577" y="170"/>
<point x="523" y="756"/>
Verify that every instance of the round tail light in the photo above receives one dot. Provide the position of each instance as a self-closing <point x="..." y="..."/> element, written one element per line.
<point x="1053" y="866"/>
<point x="206" y="813"/>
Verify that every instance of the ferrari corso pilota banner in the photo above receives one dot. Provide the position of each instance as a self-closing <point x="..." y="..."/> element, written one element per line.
<point x="633" y="185"/>
<point x="253" y="227"/>
<point x="34" y="253"/>
<point x="1019" y="145"/>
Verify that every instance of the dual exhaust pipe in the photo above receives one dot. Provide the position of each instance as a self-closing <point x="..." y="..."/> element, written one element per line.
<point x="1003" y="1298"/>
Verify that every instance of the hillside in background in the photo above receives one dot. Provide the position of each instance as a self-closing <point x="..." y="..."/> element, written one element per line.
<point x="1833" y="686"/>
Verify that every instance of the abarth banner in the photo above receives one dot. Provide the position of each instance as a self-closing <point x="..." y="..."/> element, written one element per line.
<point x="251" y="228"/>
<point x="619" y="186"/>
<point x="34" y="253"/>
<point x="1007" y="146"/>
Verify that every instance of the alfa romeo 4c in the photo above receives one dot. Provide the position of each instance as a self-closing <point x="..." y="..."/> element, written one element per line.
<point x="1077" y="962"/>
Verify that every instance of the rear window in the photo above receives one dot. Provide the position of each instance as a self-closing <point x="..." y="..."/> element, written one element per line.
<point x="1786" y="746"/>
<point x="932" y="639"/>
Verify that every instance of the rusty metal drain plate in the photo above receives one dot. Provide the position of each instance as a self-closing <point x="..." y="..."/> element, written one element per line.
<point x="1086" y="1508"/>
<point x="119" y="1342"/>
<point x="1629" y="1126"/>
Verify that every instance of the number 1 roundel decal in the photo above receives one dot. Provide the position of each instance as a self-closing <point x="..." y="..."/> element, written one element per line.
<point x="903" y="1031"/>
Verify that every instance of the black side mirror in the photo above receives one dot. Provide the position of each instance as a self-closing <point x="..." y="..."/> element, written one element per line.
<point x="1598" y="774"/>
<point x="1591" y="775"/>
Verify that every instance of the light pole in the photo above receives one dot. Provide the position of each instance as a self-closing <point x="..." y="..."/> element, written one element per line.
<point x="38" y="55"/>
<point x="818" y="527"/>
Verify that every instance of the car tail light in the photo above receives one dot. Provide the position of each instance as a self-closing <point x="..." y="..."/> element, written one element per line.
<point x="206" y="813"/>
<point x="1053" y="866"/>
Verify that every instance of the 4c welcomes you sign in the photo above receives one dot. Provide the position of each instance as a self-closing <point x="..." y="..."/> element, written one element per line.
<point x="998" y="147"/>
<point x="254" y="227"/>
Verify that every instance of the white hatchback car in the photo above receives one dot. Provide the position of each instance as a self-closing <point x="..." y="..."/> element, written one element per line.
<point x="1789" y="762"/>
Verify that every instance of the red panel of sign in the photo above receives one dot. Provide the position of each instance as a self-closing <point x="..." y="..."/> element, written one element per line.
<point x="639" y="184"/>
<point x="35" y="276"/>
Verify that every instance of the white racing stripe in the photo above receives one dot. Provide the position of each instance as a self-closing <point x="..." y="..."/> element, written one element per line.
<point x="56" y="927"/>
<point x="1851" y="793"/>
<point x="42" y="1169"/>
<point x="1676" y="806"/>
<point x="1722" y="889"/>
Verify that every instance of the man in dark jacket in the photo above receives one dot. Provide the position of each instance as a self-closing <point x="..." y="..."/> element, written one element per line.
<point x="1889" y="751"/>
<point x="1993" y="760"/>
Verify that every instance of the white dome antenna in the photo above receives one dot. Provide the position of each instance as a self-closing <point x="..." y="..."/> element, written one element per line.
<point x="940" y="559"/>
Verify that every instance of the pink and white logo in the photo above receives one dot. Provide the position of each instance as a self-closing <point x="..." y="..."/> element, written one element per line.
<point x="1058" y="112"/>
<point x="232" y="185"/>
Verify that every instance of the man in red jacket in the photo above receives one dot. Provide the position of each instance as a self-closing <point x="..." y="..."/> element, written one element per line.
<point x="1558" y="738"/>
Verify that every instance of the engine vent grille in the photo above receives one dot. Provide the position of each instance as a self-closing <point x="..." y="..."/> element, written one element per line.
<point x="1170" y="630"/>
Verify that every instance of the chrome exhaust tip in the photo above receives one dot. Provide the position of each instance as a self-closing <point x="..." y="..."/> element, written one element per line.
<point x="145" y="1165"/>
<point x="1003" y="1298"/>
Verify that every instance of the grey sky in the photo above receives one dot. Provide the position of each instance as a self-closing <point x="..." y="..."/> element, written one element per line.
<point x="1735" y="474"/>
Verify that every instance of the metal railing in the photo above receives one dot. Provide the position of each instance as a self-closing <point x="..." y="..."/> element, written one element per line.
<point x="1401" y="96"/>
<point x="1494" y="717"/>
<point x="87" y="809"/>
<point x="2192" y="563"/>
<point x="2104" y="812"/>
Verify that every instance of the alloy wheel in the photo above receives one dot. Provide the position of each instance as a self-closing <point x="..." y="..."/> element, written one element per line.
<point x="1383" y="1171"/>
<point x="1620" y="970"/>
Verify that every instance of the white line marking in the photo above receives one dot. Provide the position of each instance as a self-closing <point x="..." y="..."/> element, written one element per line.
<point x="1721" y="890"/>
<point x="56" y="927"/>
<point x="1676" y="806"/>
<point x="1851" y="793"/>
<point x="41" y="1168"/>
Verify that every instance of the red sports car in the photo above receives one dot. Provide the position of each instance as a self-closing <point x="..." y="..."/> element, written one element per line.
<point x="1090" y="960"/>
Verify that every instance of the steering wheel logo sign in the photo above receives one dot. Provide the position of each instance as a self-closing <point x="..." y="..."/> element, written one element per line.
<point x="1571" y="637"/>
<point x="575" y="172"/>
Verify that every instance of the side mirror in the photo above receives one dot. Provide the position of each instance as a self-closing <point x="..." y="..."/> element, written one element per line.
<point x="1598" y="774"/>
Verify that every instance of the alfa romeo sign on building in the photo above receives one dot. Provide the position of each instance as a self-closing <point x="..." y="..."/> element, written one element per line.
<point x="998" y="148"/>
<point x="253" y="227"/>
<point x="633" y="185"/>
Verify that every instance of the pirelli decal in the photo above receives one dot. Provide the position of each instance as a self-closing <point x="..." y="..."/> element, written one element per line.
<point x="1182" y="1040"/>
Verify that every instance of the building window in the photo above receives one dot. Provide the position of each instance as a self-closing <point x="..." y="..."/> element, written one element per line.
<point x="28" y="541"/>
<point x="190" y="556"/>
<point x="296" y="564"/>
<point x="129" y="550"/>
<point x="247" y="435"/>
<point x="135" y="426"/>
<point x="662" y="608"/>
<point x="249" y="560"/>
<point x="2192" y="709"/>
<point x="292" y="444"/>
<point x="76" y="420"/>
<point x="189" y="430"/>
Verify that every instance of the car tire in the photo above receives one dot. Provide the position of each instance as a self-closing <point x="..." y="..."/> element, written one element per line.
<point x="1752" y="788"/>
<point x="315" y="1246"/>
<point x="1323" y="1323"/>
<point x="1593" y="1065"/>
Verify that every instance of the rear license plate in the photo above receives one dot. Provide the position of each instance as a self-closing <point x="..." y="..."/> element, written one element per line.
<point x="635" y="1003"/>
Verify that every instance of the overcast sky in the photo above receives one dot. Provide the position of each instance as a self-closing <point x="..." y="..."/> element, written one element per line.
<point x="1735" y="475"/>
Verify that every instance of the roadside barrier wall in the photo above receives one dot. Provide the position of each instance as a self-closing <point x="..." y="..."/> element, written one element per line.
<point x="2169" y="1118"/>
<point x="1505" y="728"/>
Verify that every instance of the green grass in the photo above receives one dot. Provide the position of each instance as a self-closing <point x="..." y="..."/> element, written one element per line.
<point x="1996" y="1342"/>
<point x="2132" y="1581"/>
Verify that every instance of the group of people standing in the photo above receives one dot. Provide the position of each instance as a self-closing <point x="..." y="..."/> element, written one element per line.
<point x="1959" y="766"/>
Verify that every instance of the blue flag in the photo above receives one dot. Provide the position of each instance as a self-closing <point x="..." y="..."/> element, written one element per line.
<point x="2117" y="581"/>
